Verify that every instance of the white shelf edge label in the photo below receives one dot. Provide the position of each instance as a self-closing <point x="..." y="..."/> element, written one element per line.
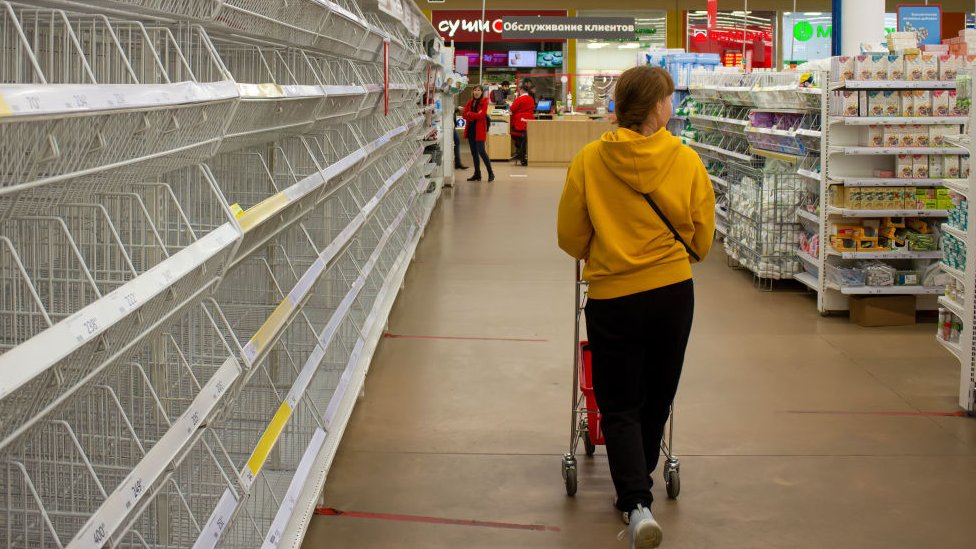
<point x="218" y="521"/>
<point x="277" y="529"/>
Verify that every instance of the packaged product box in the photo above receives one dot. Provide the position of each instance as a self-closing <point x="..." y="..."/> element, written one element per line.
<point x="896" y="67"/>
<point x="935" y="166"/>
<point x="921" y="134"/>
<point x="931" y="204"/>
<point x="952" y="102"/>
<point x="876" y="103"/>
<point x="964" y="167"/>
<point x="949" y="66"/>
<point x="864" y="67"/>
<point x="944" y="204"/>
<point x="892" y="103"/>
<point x="923" y="103"/>
<point x="867" y="244"/>
<point x="930" y="66"/>
<point x="906" y="136"/>
<point x="942" y="192"/>
<point x="882" y="310"/>
<point x="914" y="70"/>
<point x="907" y="102"/>
<point x="842" y="68"/>
<point x="903" y="166"/>
<point x="908" y="197"/>
<point x="837" y="195"/>
<point x="920" y="166"/>
<point x="886" y="174"/>
<point x="876" y="136"/>
<point x="892" y="137"/>
<point x="853" y="198"/>
<point x="849" y="103"/>
<point x="898" y="198"/>
<point x="937" y="133"/>
<point x="951" y="167"/>
<point x="940" y="103"/>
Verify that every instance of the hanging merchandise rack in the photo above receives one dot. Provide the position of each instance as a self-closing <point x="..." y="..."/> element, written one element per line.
<point x="146" y="400"/>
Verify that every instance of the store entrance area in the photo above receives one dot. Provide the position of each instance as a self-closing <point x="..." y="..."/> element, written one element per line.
<point x="793" y="430"/>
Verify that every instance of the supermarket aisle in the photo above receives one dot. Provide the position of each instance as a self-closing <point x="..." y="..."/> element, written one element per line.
<point x="794" y="431"/>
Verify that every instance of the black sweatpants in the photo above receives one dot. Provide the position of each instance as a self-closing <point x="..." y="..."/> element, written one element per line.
<point x="521" y="150"/>
<point x="638" y="346"/>
<point x="478" y="150"/>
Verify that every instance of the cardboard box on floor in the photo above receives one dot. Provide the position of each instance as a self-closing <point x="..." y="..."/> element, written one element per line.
<point x="883" y="310"/>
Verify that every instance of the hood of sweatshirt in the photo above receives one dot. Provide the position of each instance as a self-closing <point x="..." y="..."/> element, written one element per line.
<point x="644" y="163"/>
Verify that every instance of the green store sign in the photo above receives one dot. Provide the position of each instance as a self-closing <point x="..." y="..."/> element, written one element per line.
<point x="803" y="31"/>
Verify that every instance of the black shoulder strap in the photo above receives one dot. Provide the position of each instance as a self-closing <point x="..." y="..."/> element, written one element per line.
<point x="667" y="222"/>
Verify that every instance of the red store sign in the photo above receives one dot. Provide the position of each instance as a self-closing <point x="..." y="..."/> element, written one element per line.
<point x="466" y="25"/>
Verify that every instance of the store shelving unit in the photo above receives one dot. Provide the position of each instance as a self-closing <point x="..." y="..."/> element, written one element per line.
<point x="207" y="211"/>
<point x="962" y="305"/>
<point x="846" y="163"/>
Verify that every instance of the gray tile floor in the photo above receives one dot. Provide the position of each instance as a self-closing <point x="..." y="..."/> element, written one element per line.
<point x="780" y="426"/>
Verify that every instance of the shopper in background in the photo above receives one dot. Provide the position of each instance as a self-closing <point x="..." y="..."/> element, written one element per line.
<point x="501" y="94"/>
<point x="639" y="208"/>
<point x="523" y="108"/>
<point x="476" y="116"/>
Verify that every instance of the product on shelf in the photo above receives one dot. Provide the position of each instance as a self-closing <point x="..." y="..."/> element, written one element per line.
<point x="950" y="326"/>
<point x="959" y="213"/>
<point x="953" y="252"/>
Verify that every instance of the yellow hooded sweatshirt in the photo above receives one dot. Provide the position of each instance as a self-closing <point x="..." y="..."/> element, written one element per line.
<point x="604" y="218"/>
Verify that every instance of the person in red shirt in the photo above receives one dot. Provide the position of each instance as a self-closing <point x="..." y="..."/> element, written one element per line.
<point x="523" y="108"/>
<point x="476" y="116"/>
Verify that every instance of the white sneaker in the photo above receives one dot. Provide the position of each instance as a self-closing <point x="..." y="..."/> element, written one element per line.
<point x="645" y="532"/>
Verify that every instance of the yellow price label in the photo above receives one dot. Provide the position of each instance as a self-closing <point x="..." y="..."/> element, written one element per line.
<point x="269" y="438"/>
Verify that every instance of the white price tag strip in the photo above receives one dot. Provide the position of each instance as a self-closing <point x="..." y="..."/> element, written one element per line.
<point x="30" y="100"/>
<point x="217" y="522"/>
<point x="266" y="91"/>
<point x="295" y="90"/>
<point x="36" y="355"/>
<point x="343" y="91"/>
<point x="273" y="539"/>
<point x="113" y="512"/>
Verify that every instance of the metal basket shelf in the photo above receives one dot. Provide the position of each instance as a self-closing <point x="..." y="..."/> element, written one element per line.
<point x="89" y="96"/>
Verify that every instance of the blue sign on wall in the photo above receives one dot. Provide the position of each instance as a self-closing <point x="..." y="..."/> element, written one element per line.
<point x="924" y="21"/>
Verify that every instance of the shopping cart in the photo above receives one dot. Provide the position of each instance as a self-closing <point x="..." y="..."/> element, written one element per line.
<point x="585" y="421"/>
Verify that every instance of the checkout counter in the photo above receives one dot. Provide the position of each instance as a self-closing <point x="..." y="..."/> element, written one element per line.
<point x="555" y="140"/>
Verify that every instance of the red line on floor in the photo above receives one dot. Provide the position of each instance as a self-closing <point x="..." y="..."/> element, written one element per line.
<point x="465" y="338"/>
<point x="854" y="413"/>
<point x="329" y="511"/>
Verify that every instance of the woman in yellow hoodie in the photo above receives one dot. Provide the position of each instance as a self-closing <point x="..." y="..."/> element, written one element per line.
<point x="638" y="206"/>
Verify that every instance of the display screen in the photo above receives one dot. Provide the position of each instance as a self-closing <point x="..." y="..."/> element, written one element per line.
<point x="545" y="105"/>
<point x="549" y="59"/>
<point x="471" y="55"/>
<point x="496" y="59"/>
<point x="522" y="58"/>
<point x="611" y="106"/>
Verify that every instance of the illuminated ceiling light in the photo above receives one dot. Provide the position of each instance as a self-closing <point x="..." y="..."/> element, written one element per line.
<point x="597" y="45"/>
<point x="628" y="46"/>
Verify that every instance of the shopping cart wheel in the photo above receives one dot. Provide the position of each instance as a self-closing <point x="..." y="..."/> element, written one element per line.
<point x="571" y="482"/>
<point x="569" y="474"/>
<point x="588" y="444"/>
<point x="672" y="481"/>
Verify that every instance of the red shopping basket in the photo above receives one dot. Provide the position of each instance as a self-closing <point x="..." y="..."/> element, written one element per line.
<point x="586" y="387"/>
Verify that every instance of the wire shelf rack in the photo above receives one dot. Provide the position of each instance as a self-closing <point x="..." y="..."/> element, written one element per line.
<point x="194" y="261"/>
<point x="94" y="102"/>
